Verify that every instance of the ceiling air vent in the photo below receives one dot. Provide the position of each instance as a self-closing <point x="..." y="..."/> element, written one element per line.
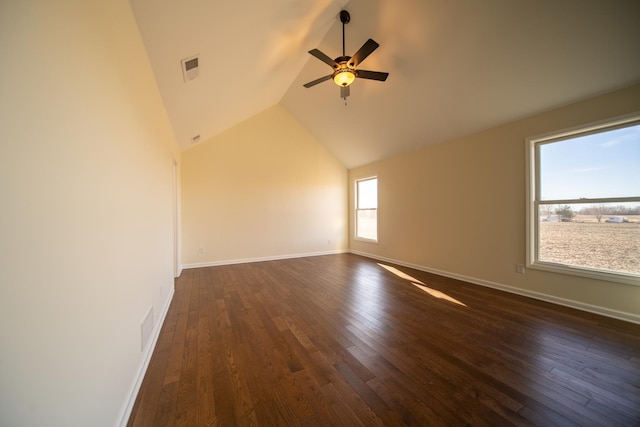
<point x="190" y="68"/>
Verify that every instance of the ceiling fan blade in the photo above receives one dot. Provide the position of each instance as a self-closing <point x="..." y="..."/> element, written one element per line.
<point x="366" y="49"/>
<point x="324" y="58"/>
<point x="372" y="75"/>
<point x="344" y="92"/>
<point x="316" y="81"/>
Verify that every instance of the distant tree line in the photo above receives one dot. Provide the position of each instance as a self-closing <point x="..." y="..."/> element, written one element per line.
<point x="610" y="210"/>
<point x="566" y="212"/>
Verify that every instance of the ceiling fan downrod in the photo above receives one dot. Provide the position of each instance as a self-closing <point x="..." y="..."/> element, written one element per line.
<point x="344" y="18"/>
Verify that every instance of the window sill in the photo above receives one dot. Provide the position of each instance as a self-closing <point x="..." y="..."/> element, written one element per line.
<point x="626" y="278"/>
<point x="362" y="239"/>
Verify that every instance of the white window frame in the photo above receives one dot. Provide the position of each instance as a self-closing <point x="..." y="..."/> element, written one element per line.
<point x="534" y="202"/>
<point x="357" y="209"/>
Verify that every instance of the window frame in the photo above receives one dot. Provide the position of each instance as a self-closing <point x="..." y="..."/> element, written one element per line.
<point x="357" y="209"/>
<point x="533" y="199"/>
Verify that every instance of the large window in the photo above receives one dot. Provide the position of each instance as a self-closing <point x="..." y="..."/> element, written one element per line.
<point x="584" y="201"/>
<point x="367" y="209"/>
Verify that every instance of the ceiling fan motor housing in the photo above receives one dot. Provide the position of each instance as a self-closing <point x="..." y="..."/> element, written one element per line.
<point x="343" y="61"/>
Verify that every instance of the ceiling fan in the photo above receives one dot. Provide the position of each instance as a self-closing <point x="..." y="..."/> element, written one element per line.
<point x="345" y="67"/>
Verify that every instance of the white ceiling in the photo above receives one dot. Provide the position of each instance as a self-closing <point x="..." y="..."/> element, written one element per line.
<point x="456" y="66"/>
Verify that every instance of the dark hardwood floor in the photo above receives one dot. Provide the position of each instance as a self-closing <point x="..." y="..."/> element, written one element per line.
<point x="341" y="340"/>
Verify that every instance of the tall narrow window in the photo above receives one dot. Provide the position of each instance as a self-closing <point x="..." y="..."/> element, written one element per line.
<point x="367" y="209"/>
<point x="584" y="203"/>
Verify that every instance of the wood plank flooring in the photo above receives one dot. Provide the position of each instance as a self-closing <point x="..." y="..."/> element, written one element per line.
<point x="341" y="340"/>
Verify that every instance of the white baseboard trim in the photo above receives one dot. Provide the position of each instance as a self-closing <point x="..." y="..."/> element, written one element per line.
<point x="261" y="259"/>
<point x="142" y="370"/>
<point x="620" y="315"/>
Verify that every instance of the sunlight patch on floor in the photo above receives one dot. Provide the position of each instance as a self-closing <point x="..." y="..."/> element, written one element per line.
<point x="399" y="273"/>
<point x="438" y="294"/>
<point x="420" y="285"/>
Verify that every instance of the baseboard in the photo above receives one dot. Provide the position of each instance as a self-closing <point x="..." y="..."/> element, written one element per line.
<point x="615" y="314"/>
<point x="261" y="259"/>
<point x="148" y="352"/>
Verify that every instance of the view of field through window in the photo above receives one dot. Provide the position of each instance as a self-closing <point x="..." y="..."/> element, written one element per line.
<point x="603" y="241"/>
<point x="588" y="195"/>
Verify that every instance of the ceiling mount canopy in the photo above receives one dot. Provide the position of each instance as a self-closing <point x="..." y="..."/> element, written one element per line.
<point x="344" y="67"/>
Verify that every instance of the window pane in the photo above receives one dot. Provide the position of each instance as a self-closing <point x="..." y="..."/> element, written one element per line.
<point x="602" y="165"/>
<point x="604" y="236"/>
<point x="368" y="194"/>
<point x="367" y="224"/>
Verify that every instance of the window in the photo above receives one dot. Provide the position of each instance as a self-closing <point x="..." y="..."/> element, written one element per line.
<point x="367" y="209"/>
<point x="584" y="201"/>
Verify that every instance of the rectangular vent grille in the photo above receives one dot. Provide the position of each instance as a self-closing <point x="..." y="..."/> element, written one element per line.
<point x="190" y="68"/>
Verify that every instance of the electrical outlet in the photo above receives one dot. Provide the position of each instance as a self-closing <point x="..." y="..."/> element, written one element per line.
<point x="520" y="268"/>
<point x="201" y="250"/>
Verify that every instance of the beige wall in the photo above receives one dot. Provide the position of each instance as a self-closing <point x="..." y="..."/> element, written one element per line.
<point x="263" y="189"/>
<point x="459" y="208"/>
<point x="86" y="228"/>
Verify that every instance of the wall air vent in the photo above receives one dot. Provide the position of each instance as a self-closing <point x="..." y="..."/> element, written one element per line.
<point x="190" y="67"/>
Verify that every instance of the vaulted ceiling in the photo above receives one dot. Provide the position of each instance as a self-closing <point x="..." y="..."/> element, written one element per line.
<point x="456" y="66"/>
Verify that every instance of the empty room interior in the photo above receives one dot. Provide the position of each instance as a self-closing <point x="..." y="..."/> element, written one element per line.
<point x="320" y="213"/>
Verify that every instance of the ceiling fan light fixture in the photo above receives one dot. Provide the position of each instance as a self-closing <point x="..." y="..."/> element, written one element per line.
<point x="343" y="77"/>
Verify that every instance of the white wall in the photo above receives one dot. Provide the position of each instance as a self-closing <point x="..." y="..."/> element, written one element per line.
<point x="458" y="208"/>
<point x="263" y="189"/>
<point x="86" y="226"/>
